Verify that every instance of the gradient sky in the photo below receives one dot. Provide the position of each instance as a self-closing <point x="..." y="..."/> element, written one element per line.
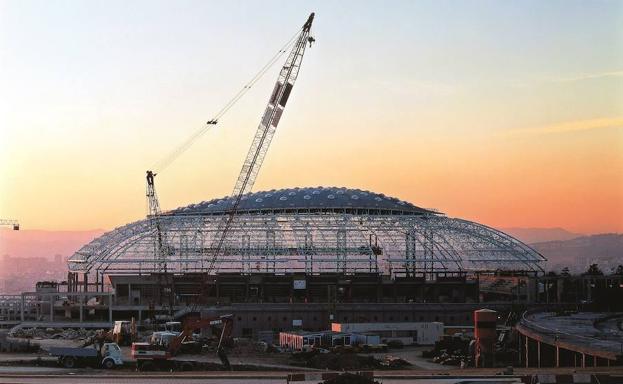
<point x="506" y="113"/>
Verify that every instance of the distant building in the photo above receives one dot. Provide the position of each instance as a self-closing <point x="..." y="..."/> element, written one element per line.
<point x="408" y="333"/>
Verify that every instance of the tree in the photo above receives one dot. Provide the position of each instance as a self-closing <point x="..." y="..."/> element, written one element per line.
<point x="619" y="270"/>
<point x="593" y="270"/>
<point x="565" y="272"/>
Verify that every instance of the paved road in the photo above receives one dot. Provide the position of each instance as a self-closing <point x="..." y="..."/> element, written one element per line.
<point x="220" y="380"/>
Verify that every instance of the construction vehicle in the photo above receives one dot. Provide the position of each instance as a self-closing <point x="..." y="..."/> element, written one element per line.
<point x="124" y="332"/>
<point x="159" y="353"/>
<point x="108" y="356"/>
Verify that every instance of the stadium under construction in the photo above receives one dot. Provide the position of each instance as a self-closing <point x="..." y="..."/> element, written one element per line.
<point x="335" y="250"/>
<point x="299" y="257"/>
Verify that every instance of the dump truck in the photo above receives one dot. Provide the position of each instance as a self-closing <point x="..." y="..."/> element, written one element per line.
<point x="108" y="356"/>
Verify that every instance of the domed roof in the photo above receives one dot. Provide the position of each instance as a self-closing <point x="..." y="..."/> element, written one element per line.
<point x="317" y="199"/>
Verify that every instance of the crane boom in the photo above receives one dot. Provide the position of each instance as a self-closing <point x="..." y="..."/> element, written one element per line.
<point x="265" y="132"/>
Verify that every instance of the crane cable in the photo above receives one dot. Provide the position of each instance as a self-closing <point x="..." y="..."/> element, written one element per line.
<point x="162" y="164"/>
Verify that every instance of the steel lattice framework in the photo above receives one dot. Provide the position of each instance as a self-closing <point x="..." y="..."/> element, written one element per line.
<point x="309" y="230"/>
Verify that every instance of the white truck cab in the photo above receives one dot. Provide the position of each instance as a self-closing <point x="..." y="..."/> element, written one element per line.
<point x="111" y="355"/>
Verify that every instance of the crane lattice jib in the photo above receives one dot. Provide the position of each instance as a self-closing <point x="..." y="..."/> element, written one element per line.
<point x="154" y="219"/>
<point x="265" y="131"/>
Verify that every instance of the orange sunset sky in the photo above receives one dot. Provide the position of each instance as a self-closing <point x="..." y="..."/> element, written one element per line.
<point x="509" y="114"/>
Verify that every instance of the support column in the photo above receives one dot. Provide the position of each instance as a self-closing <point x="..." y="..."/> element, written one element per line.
<point x="80" y="306"/>
<point x="527" y="353"/>
<point x="520" y="346"/>
<point x="583" y="360"/>
<point x="538" y="354"/>
<point x="557" y="357"/>
<point x="110" y="308"/>
<point x="546" y="290"/>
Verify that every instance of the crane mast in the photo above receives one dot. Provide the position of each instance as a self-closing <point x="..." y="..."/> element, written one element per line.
<point x="154" y="218"/>
<point x="160" y="250"/>
<point x="265" y="132"/>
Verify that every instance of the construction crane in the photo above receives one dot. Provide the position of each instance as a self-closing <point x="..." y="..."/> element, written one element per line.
<point x="265" y="132"/>
<point x="10" y="223"/>
<point x="257" y="152"/>
<point x="153" y="203"/>
<point x="161" y="250"/>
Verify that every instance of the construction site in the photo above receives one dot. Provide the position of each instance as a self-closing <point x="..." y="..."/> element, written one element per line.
<point x="312" y="281"/>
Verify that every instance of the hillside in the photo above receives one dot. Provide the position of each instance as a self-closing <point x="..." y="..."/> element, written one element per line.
<point x="39" y="243"/>
<point x="606" y="250"/>
<point x="538" y="235"/>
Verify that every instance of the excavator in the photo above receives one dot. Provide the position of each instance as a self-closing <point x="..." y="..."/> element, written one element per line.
<point x="159" y="353"/>
<point x="123" y="332"/>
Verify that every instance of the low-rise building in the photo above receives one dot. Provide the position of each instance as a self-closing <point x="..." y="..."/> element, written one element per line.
<point x="408" y="333"/>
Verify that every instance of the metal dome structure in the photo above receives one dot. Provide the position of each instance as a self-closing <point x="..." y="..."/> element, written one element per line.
<point x="311" y="230"/>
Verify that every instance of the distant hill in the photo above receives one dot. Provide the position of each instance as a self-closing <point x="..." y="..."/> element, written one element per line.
<point x="538" y="235"/>
<point x="606" y="250"/>
<point x="39" y="243"/>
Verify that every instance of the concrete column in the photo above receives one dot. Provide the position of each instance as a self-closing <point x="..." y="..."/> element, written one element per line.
<point x="519" y="345"/>
<point x="557" y="357"/>
<point x="527" y="353"/>
<point x="546" y="290"/>
<point x="110" y="308"/>
<point x="538" y="354"/>
<point x="583" y="360"/>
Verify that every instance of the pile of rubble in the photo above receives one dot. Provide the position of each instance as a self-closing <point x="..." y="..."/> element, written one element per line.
<point x="245" y="347"/>
<point x="392" y="362"/>
<point x="451" y="350"/>
<point x="7" y="345"/>
<point x="52" y="333"/>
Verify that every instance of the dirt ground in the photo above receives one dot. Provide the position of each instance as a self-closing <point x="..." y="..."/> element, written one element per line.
<point x="414" y="356"/>
<point x="237" y="356"/>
